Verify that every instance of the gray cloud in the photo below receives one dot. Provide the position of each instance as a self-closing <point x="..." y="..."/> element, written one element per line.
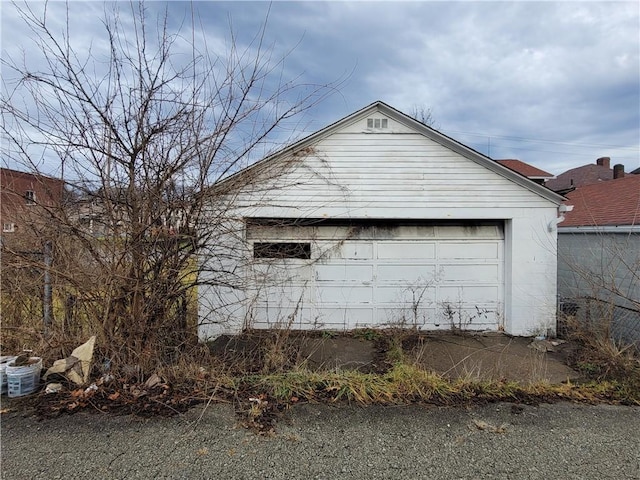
<point x="554" y="84"/>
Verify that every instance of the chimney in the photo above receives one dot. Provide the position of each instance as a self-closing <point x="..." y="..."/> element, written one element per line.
<point x="604" y="162"/>
<point x="618" y="171"/>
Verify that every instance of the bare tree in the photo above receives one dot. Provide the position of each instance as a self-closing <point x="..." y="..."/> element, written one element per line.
<point x="143" y="133"/>
<point x="424" y="115"/>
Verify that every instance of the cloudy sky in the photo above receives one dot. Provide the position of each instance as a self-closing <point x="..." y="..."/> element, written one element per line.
<point x="555" y="84"/>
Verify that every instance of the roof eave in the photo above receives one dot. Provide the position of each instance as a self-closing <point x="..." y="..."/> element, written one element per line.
<point x="599" y="229"/>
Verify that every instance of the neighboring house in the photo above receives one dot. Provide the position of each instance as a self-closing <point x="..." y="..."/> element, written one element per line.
<point x="97" y="214"/>
<point x="529" y="171"/>
<point x="25" y="200"/>
<point x="101" y="214"/>
<point x="585" y="175"/>
<point x="378" y="220"/>
<point x="599" y="254"/>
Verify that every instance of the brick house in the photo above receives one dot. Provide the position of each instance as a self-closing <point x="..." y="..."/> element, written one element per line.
<point x="26" y="200"/>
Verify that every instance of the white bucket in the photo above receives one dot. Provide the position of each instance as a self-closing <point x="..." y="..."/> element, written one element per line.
<point x="24" y="379"/>
<point x="3" y="367"/>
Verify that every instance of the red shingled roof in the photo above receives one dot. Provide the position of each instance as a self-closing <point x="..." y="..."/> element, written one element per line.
<point x="615" y="202"/>
<point x="525" y="169"/>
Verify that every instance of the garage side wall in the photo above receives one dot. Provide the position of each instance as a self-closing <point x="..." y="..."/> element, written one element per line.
<point x="222" y="283"/>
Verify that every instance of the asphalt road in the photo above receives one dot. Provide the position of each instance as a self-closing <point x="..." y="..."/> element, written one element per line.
<point x="560" y="441"/>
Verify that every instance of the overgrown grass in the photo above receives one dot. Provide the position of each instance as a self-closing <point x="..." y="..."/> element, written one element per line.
<point x="604" y="359"/>
<point x="264" y="367"/>
<point x="406" y="384"/>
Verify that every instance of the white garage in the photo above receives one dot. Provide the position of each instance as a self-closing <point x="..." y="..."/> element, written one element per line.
<point x="377" y="221"/>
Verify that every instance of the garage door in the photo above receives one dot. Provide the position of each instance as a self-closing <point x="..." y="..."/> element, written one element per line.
<point x="336" y="277"/>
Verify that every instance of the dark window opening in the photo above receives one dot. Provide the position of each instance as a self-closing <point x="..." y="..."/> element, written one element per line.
<point x="282" y="250"/>
<point x="30" y="197"/>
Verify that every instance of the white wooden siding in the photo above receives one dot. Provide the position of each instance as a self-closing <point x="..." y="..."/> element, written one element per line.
<point x="385" y="176"/>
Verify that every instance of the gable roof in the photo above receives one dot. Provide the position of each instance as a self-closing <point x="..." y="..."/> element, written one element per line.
<point x="611" y="203"/>
<point x="415" y="125"/>
<point x="525" y="169"/>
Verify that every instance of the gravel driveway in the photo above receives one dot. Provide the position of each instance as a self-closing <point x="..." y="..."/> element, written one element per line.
<point x="560" y="441"/>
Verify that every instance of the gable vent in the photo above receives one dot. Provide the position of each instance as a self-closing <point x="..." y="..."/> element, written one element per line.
<point x="377" y="123"/>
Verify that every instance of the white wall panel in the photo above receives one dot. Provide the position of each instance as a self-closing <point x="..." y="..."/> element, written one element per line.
<point x="344" y="295"/>
<point x="469" y="274"/>
<point x="403" y="296"/>
<point x="468" y="293"/>
<point x="343" y="318"/>
<point x="346" y="272"/>
<point x="348" y="250"/>
<point x="405" y="272"/>
<point x="468" y="250"/>
<point x="406" y="250"/>
<point x="390" y="177"/>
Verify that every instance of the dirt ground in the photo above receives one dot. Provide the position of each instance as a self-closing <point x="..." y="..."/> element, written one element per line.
<point x="469" y="356"/>
<point x="495" y="357"/>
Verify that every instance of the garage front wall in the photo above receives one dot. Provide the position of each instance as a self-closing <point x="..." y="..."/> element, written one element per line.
<point x="375" y="177"/>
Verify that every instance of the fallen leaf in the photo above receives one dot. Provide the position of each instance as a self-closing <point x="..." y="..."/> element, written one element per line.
<point x="114" y="396"/>
<point x="53" y="388"/>
<point x="482" y="425"/>
<point x="137" y="393"/>
<point x="153" y="381"/>
<point x="77" y="393"/>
